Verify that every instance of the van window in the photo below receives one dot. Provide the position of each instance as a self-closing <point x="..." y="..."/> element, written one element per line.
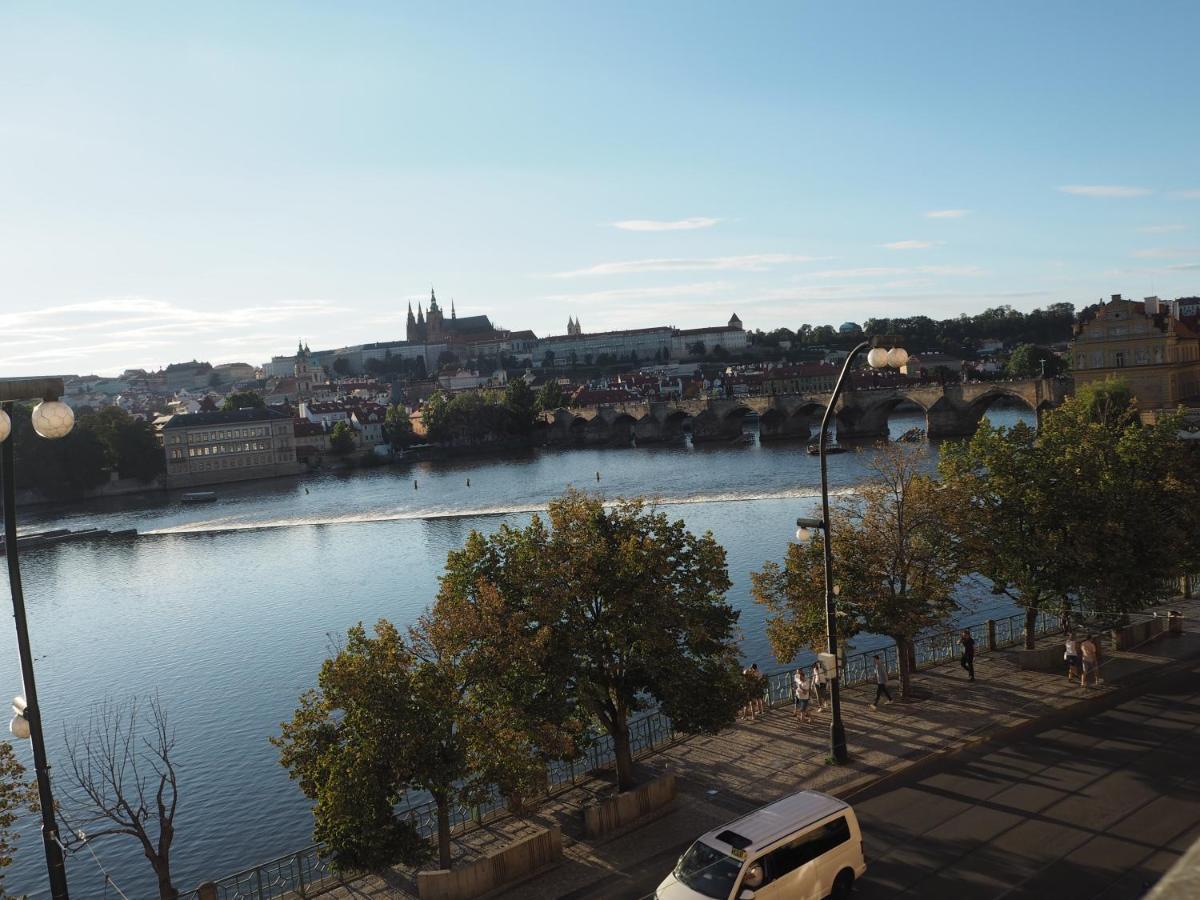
<point x="805" y="848"/>
<point x="708" y="871"/>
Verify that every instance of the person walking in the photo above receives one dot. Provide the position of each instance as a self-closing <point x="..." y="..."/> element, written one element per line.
<point x="1071" y="656"/>
<point x="881" y="682"/>
<point x="967" y="661"/>
<point x="1090" y="656"/>
<point x="800" y="695"/>
<point x="820" y="684"/>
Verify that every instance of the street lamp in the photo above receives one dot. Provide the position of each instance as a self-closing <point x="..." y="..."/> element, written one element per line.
<point x="51" y="419"/>
<point x="879" y="357"/>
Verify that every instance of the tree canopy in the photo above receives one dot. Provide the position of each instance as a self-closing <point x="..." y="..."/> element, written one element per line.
<point x="243" y="400"/>
<point x="341" y="438"/>
<point x="634" y="608"/>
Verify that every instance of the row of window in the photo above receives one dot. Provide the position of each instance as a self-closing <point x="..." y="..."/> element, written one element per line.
<point x="228" y="434"/>
<point x="237" y="462"/>
<point x="224" y="449"/>
<point x="1118" y="359"/>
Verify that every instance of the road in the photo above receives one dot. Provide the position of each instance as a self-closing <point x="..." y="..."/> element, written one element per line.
<point x="1098" y="807"/>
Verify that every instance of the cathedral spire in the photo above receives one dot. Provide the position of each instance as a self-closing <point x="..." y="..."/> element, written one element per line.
<point x="453" y="315"/>
<point x="420" y="315"/>
<point x="433" y="307"/>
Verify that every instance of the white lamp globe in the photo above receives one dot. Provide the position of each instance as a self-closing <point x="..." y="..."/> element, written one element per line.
<point x="5" y="425"/>
<point x="877" y="358"/>
<point x="53" y="419"/>
<point x="897" y="357"/>
<point x="19" y="726"/>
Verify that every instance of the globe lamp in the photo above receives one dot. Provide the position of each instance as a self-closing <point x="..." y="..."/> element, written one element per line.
<point x="53" y="419"/>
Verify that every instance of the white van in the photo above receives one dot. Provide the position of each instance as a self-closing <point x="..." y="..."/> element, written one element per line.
<point x="804" y="847"/>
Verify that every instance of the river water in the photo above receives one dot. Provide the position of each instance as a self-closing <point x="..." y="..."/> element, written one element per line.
<point x="225" y="609"/>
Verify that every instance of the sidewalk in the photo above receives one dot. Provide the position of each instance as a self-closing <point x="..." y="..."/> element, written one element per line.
<point x="725" y="775"/>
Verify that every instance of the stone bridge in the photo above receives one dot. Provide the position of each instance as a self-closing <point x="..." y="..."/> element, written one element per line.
<point x="950" y="410"/>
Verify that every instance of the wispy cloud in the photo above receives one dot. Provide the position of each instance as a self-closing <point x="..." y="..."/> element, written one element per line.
<point x="1184" y="267"/>
<point x="1161" y="229"/>
<point x="946" y="213"/>
<point x="893" y="271"/>
<point x="1166" y="252"/>
<point x="759" y="262"/>
<point x="1190" y="194"/>
<point x="912" y="245"/>
<point x="626" y="295"/>
<point x="658" y="225"/>
<point x="1104" y="190"/>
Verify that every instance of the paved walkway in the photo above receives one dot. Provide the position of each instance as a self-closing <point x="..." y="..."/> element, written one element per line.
<point x="725" y="775"/>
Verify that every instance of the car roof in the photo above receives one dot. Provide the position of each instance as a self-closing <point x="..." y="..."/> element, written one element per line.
<point x="769" y="823"/>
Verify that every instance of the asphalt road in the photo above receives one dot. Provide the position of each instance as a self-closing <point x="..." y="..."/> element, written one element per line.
<point x="1098" y="807"/>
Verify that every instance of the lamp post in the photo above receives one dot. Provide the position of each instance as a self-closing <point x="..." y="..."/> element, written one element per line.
<point x="879" y="357"/>
<point x="51" y="419"/>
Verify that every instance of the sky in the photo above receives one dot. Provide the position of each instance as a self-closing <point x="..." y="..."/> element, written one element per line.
<point x="217" y="180"/>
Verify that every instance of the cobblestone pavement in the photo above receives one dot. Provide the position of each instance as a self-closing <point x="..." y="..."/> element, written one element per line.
<point x="724" y="775"/>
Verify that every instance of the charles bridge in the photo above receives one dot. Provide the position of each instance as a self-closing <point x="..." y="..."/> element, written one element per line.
<point x="950" y="410"/>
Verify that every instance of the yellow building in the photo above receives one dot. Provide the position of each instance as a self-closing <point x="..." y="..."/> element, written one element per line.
<point x="208" y="448"/>
<point x="1157" y="355"/>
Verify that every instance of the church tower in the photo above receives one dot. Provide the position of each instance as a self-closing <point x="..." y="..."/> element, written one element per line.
<point x="433" y="320"/>
<point x="410" y="330"/>
<point x="303" y="372"/>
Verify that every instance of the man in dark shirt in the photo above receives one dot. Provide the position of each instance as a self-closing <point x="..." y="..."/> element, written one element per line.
<point x="968" y="653"/>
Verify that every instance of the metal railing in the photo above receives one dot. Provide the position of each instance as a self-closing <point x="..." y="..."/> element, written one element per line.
<point x="306" y="873"/>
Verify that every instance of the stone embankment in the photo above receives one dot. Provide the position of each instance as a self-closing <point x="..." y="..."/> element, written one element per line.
<point x="40" y="539"/>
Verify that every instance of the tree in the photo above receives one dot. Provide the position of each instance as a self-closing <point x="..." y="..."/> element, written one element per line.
<point x="341" y="439"/>
<point x="59" y="468"/>
<point x="243" y="400"/>
<point x="634" y="607"/>
<point x="1031" y="361"/>
<point x="1063" y="511"/>
<point x="391" y="715"/>
<point x="399" y="426"/>
<point x="130" y="443"/>
<point x="548" y="359"/>
<point x="550" y="397"/>
<point x="697" y="349"/>
<point x="124" y="781"/>
<point x="341" y="365"/>
<point x="16" y="796"/>
<point x="895" y="560"/>
<point x="521" y="404"/>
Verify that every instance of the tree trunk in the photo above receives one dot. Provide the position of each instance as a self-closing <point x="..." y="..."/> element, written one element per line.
<point x="624" y="755"/>
<point x="1031" y="616"/>
<point x="166" y="890"/>
<point x="904" y="657"/>
<point x="443" y="828"/>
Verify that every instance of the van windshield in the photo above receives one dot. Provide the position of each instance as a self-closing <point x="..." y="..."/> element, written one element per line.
<point x="708" y="871"/>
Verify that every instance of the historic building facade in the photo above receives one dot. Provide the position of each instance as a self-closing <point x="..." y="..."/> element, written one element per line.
<point x="209" y="448"/>
<point x="1144" y="344"/>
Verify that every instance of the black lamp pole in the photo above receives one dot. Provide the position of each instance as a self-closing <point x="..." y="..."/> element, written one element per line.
<point x="55" y="865"/>
<point x="837" y="731"/>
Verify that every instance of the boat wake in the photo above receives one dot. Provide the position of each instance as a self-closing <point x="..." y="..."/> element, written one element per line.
<point x="369" y="517"/>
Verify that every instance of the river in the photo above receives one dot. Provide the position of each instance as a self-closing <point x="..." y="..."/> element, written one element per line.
<point x="226" y="609"/>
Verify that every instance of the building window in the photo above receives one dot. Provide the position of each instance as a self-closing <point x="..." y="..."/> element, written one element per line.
<point x="1119" y="359"/>
<point x="1142" y="357"/>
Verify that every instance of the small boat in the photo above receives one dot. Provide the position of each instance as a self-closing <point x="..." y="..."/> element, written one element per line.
<point x="815" y="449"/>
<point x="199" y="497"/>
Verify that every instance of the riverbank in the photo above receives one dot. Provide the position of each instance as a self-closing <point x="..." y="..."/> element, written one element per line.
<point x="725" y="775"/>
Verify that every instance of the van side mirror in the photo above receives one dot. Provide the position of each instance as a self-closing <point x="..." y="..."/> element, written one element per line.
<point x="746" y="894"/>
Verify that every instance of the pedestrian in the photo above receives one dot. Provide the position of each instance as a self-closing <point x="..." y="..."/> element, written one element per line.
<point x="1071" y="656"/>
<point x="967" y="661"/>
<point x="760" y="691"/>
<point x="754" y="692"/>
<point x="819" y="683"/>
<point x="1089" y="655"/>
<point x="800" y="695"/>
<point x="1064" y="616"/>
<point x="881" y="682"/>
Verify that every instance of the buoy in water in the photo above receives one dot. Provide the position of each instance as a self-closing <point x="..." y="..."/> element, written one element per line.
<point x="597" y="476"/>
<point x="415" y="488"/>
<point x="468" y="482"/>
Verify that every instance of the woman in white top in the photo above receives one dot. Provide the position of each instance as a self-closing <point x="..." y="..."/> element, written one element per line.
<point x="800" y="693"/>
<point x="819" y="683"/>
<point x="1071" y="656"/>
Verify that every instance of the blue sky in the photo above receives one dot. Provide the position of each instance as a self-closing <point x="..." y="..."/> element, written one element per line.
<point x="216" y="180"/>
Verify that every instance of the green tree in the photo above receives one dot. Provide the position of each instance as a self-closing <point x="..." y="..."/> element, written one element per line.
<point x="548" y="359"/>
<point x="697" y="349"/>
<point x="551" y="397"/>
<point x="1031" y="361"/>
<point x="130" y="443"/>
<point x="391" y="715"/>
<point x="341" y="439"/>
<point x="895" y="559"/>
<point x="634" y="607"/>
<point x="243" y="400"/>
<point x="61" y="468"/>
<point x="16" y="797"/>
<point x="521" y="404"/>
<point x="399" y="426"/>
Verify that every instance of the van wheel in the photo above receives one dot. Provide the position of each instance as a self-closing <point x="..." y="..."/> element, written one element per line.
<point x="842" y="885"/>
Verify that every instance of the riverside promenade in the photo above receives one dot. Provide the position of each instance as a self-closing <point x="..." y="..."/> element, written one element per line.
<point x="723" y="776"/>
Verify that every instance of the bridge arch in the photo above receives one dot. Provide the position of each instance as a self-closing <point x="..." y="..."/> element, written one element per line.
<point x="1005" y="398"/>
<point x="870" y="417"/>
